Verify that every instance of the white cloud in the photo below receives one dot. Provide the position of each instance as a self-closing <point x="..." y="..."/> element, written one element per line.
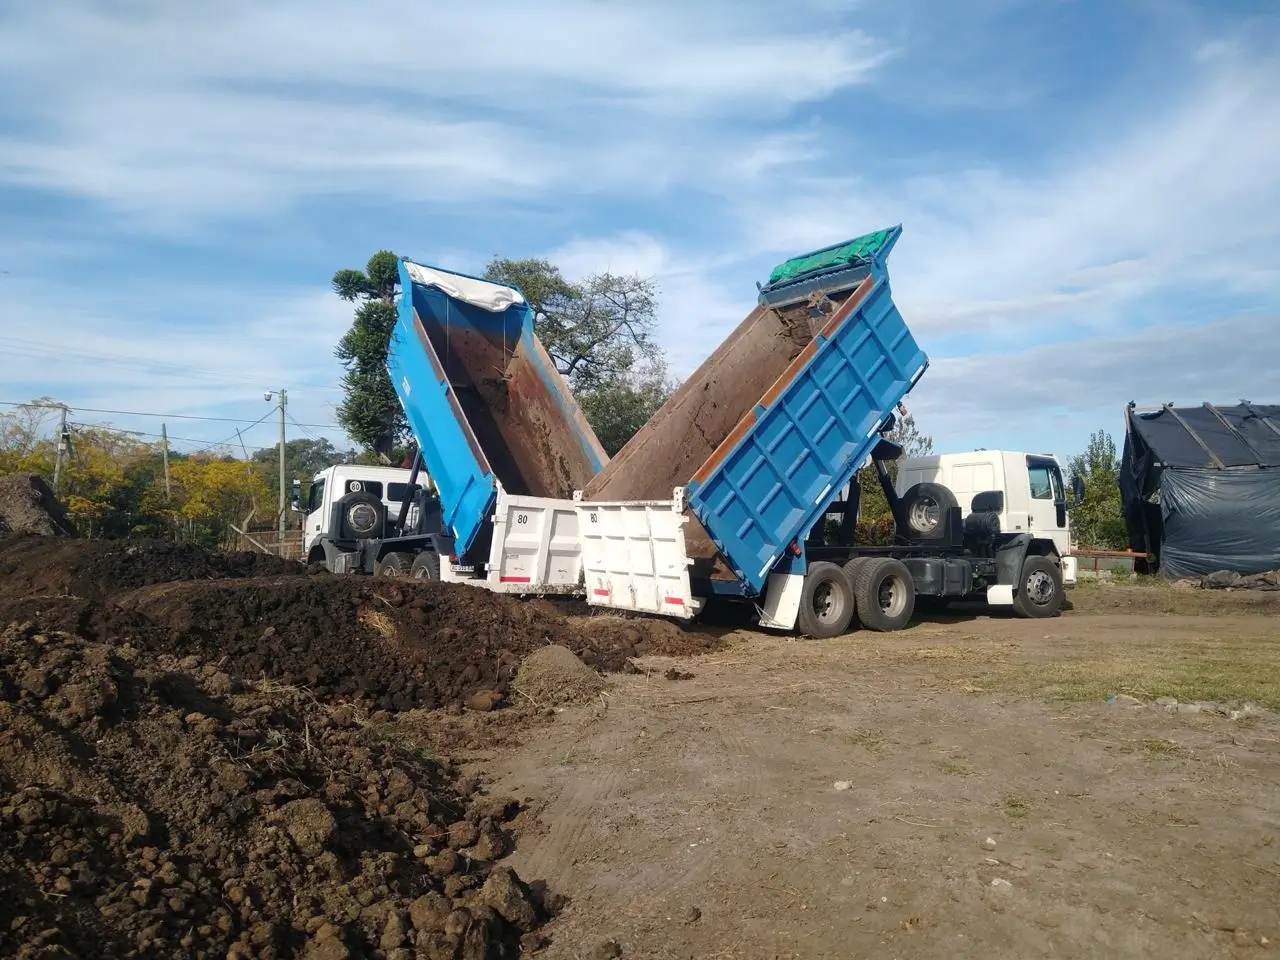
<point x="212" y="355"/>
<point x="1150" y="204"/>
<point x="1060" y="393"/>
<point x="168" y="111"/>
<point x="696" y="310"/>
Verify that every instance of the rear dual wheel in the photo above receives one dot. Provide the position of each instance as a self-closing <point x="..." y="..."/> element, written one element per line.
<point x="879" y="590"/>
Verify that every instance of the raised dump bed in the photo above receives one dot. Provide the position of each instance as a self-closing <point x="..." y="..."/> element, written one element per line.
<point x="489" y="410"/>
<point x="769" y="429"/>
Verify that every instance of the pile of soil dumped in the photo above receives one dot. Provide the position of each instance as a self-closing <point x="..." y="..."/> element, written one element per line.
<point x="27" y="505"/>
<point x="98" y="568"/>
<point x="553" y="676"/>
<point x="153" y="806"/>
<point x="397" y="643"/>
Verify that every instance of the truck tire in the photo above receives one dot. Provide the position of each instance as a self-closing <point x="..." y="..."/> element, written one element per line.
<point x="826" y="602"/>
<point x="851" y="568"/>
<point x="885" y="594"/>
<point x="924" y="511"/>
<point x="1038" y="592"/>
<point x="395" y="564"/>
<point x="426" y="566"/>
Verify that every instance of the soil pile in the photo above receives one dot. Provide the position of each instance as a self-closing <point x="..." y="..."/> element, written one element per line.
<point x="158" y="807"/>
<point x="397" y="643"/>
<point x="99" y="568"/>
<point x="554" y="676"/>
<point x="27" y="505"/>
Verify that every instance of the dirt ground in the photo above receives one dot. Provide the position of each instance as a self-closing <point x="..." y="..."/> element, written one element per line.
<point x="960" y="789"/>
<point x="207" y="755"/>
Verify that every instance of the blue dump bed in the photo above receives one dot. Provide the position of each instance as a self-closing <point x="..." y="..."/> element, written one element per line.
<point x="484" y="400"/>
<point x="792" y="451"/>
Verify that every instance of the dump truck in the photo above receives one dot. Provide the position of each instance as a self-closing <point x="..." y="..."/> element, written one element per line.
<point x="743" y="486"/>
<point x="502" y="445"/>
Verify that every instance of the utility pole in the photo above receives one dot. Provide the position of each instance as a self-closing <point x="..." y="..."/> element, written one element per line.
<point x="164" y="446"/>
<point x="281" y="521"/>
<point x="280" y="515"/>
<point x="62" y="444"/>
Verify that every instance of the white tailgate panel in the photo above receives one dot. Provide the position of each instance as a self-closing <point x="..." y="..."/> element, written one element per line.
<point x="634" y="557"/>
<point x="535" y="546"/>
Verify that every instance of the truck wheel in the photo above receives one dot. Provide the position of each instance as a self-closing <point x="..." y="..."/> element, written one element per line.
<point x="885" y="593"/>
<point x="924" y="509"/>
<point x="426" y="566"/>
<point x="826" y="602"/>
<point x="1039" y="589"/>
<point x="393" y="565"/>
<point x="851" y="568"/>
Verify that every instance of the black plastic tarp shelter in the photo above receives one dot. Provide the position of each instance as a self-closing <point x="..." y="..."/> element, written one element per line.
<point x="1200" y="487"/>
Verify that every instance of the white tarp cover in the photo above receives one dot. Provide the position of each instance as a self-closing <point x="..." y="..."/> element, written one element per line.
<point x="480" y="293"/>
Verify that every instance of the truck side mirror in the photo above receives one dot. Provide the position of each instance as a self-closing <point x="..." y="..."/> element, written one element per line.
<point x="1077" y="487"/>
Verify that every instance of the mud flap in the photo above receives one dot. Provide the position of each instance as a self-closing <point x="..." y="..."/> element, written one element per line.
<point x="783" y="593"/>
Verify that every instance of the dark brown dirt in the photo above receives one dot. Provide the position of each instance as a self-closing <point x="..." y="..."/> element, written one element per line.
<point x="155" y="807"/>
<point x="518" y="422"/>
<point x="400" y="644"/>
<point x="27" y="505"/>
<point x="668" y="450"/>
<point x="31" y="565"/>
<point x="197" y="767"/>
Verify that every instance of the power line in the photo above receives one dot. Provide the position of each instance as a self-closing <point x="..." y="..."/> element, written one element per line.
<point x="163" y="416"/>
<point x="301" y="426"/>
<point x="234" y="435"/>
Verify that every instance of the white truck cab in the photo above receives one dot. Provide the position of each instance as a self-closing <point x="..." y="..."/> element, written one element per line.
<point x="1034" y="495"/>
<point x="388" y="484"/>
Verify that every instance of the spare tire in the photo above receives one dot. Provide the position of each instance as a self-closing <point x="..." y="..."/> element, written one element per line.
<point x="924" y="511"/>
<point x="362" y="516"/>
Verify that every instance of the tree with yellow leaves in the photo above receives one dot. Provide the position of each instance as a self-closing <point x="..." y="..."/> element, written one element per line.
<point x="211" y="493"/>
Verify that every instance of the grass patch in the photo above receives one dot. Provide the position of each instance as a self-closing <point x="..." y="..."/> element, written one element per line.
<point x="1219" y="670"/>
<point x="868" y="739"/>
<point x="953" y="768"/>
<point x="1016" y="808"/>
<point x="1152" y="595"/>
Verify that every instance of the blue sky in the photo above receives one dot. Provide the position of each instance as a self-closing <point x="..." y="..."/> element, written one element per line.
<point x="1090" y="191"/>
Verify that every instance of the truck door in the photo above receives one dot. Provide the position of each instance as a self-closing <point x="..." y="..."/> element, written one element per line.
<point x="1048" y="513"/>
<point x="314" y="523"/>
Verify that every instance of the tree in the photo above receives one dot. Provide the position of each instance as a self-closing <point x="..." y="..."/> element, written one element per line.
<point x="1097" y="519"/>
<point x="211" y="493"/>
<point x="620" y="405"/>
<point x="596" y="331"/>
<point x="25" y="437"/>
<point x="370" y="411"/>
<point x="303" y="459"/>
